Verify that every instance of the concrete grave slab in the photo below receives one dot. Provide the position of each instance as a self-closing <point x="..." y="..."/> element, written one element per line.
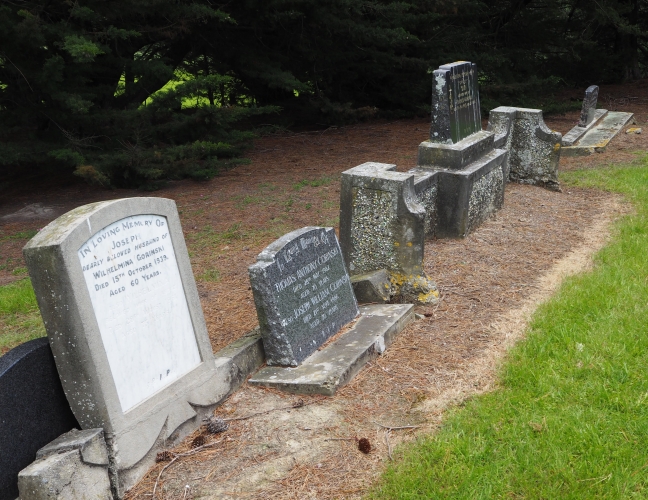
<point x="302" y="294"/>
<point x="572" y="137"/>
<point x="597" y="137"/>
<point x="33" y="409"/>
<point x="119" y="302"/>
<point x="326" y="370"/>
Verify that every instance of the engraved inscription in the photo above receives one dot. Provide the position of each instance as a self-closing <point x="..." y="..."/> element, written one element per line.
<point x="306" y="291"/>
<point x="134" y="283"/>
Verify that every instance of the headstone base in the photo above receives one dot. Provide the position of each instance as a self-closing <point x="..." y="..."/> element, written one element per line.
<point x="325" y="371"/>
<point x="468" y="191"/>
<point x="597" y="137"/>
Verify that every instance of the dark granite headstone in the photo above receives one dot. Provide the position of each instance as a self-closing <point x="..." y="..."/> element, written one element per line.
<point x="589" y="106"/>
<point x="33" y="409"/>
<point x="455" y="103"/>
<point x="302" y="293"/>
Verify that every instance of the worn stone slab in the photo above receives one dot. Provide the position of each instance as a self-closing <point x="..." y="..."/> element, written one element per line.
<point x="33" y="409"/>
<point x="302" y="294"/>
<point x="588" y="111"/>
<point x="456" y="110"/>
<point x="571" y="137"/>
<point x="119" y="302"/>
<point x="325" y="371"/>
<point x="597" y="138"/>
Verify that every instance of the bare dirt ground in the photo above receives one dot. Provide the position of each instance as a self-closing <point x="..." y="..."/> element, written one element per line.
<point x="490" y="283"/>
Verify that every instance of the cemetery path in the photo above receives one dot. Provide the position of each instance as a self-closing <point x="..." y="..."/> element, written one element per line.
<point x="490" y="282"/>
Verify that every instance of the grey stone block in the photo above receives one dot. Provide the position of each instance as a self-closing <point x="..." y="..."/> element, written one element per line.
<point x="245" y="356"/>
<point x="573" y="136"/>
<point x="465" y="198"/>
<point x="64" y="476"/>
<point x="381" y="221"/>
<point x="534" y="149"/>
<point x="383" y="225"/>
<point x="325" y="371"/>
<point x="372" y="288"/>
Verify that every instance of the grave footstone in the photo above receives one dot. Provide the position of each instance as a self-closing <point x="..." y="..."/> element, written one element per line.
<point x="303" y="297"/>
<point x="119" y="302"/>
<point x="33" y="409"/>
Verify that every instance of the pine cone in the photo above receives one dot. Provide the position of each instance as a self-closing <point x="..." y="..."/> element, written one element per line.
<point x="163" y="456"/>
<point x="215" y="424"/>
<point x="198" y="441"/>
<point x="364" y="445"/>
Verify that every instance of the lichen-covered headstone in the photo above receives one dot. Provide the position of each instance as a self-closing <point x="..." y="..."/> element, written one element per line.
<point x="455" y="103"/>
<point x="589" y="106"/>
<point x="302" y="293"/>
<point x="119" y="302"/>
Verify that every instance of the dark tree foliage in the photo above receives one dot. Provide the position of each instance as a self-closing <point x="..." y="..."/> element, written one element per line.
<point x="131" y="93"/>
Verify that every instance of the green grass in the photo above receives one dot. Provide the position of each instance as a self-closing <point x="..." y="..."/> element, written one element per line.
<point x="322" y="181"/>
<point x="21" y="235"/>
<point x="570" y="418"/>
<point x="212" y="275"/>
<point x="20" y="319"/>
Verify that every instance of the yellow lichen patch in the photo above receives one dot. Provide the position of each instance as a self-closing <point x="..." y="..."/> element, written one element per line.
<point x="426" y="298"/>
<point x="557" y="146"/>
<point x="409" y="243"/>
<point x="396" y="244"/>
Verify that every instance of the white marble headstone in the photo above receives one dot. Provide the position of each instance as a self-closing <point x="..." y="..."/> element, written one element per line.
<point x="132" y="276"/>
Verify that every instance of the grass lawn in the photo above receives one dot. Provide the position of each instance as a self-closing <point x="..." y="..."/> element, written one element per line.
<point x="570" y="417"/>
<point x="20" y="319"/>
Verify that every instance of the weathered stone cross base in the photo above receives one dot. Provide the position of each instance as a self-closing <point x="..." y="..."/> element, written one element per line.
<point x="594" y="137"/>
<point x="325" y="371"/>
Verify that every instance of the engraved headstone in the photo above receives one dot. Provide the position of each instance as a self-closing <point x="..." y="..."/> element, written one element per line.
<point x="122" y="313"/>
<point x="455" y="103"/>
<point x="302" y="293"/>
<point x="589" y="106"/>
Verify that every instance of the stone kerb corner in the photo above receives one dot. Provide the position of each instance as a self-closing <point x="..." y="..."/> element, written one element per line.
<point x="112" y="324"/>
<point x="383" y="227"/>
<point x="533" y="149"/>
